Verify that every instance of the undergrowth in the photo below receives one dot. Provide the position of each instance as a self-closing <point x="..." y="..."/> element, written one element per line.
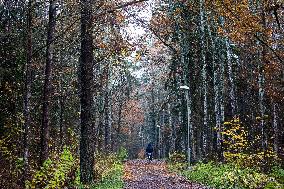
<point x="108" y="170"/>
<point x="56" y="172"/>
<point x="229" y="176"/>
<point x="62" y="171"/>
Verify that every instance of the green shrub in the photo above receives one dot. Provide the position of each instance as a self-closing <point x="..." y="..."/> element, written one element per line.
<point x="112" y="179"/>
<point x="109" y="171"/>
<point x="177" y="157"/>
<point x="55" y="172"/>
<point x="122" y="154"/>
<point x="227" y="176"/>
<point x="177" y="162"/>
<point x="278" y="173"/>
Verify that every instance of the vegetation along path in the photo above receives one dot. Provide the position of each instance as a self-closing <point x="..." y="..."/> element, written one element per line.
<point x="141" y="174"/>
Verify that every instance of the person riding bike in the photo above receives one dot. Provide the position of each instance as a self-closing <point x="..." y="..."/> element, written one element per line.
<point x="149" y="151"/>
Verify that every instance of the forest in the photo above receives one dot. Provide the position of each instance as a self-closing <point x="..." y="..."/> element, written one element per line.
<point x="86" y="85"/>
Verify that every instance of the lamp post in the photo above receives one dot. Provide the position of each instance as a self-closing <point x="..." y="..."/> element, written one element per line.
<point x="189" y="126"/>
<point x="159" y="145"/>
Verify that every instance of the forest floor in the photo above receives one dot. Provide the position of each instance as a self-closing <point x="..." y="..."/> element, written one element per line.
<point x="142" y="174"/>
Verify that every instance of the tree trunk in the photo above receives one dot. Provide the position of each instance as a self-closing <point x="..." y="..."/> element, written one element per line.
<point x="86" y="96"/>
<point x="216" y="80"/>
<point x="62" y="129"/>
<point x="27" y="96"/>
<point x="275" y="128"/>
<point x="44" y="152"/>
<point x="107" y="110"/>
<point x="221" y="87"/>
<point x="261" y="104"/>
<point x="261" y="84"/>
<point x="153" y="118"/>
<point x="231" y="81"/>
<point x="204" y="80"/>
<point x="173" y="130"/>
<point x="117" y="138"/>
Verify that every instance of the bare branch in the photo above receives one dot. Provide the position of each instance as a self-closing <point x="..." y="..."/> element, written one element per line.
<point x="95" y="16"/>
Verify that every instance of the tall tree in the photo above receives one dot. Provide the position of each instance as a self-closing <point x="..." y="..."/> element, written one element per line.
<point x="86" y="93"/>
<point x="27" y="95"/>
<point x="45" y="128"/>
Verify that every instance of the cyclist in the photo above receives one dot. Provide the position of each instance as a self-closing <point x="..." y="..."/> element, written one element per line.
<point x="149" y="151"/>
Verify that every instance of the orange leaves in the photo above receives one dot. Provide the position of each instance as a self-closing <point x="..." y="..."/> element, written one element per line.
<point x="102" y="45"/>
<point x="133" y="113"/>
<point x="162" y="22"/>
<point x="274" y="82"/>
<point x="240" y="22"/>
<point x="120" y="17"/>
<point x="127" y="174"/>
<point x="154" y="174"/>
<point x="177" y="11"/>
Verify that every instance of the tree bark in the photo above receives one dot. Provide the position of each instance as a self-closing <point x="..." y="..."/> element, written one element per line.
<point x="44" y="152"/>
<point x="231" y="80"/>
<point x="107" y="121"/>
<point x="62" y="129"/>
<point x="216" y="79"/>
<point x="173" y="130"/>
<point x="204" y="80"/>
<point x="86" y="96"/>
<point x="275" y="128"/>
<point x="221" y="87"/>
<point x="261" y="84"/>
<point x="27" y="96"/>
<point x="117" y="138"/>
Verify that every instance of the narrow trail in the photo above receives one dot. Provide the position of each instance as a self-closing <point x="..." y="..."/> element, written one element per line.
<point x="141" y="174"/>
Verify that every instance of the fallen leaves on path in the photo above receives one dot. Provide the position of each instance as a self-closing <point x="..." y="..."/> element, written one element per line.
<point x="142" y="174"/>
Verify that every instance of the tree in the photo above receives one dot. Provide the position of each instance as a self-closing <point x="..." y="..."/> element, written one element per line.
<point x="86" y="92"/>
<point x="45" y="128"/>
<point x="27" y="95"/>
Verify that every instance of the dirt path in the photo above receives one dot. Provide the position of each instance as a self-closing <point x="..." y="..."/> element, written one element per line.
<point x="140" y="174"/>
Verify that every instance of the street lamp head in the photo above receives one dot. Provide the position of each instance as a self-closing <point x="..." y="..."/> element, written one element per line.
<point x="184" y="87"/>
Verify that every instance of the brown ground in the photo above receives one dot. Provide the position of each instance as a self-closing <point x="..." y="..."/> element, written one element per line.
<point x="141" y="174"/>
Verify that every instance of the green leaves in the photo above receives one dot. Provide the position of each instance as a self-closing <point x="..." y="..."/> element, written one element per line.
<point x="54" y="172"/>
<point x="229" y="177"/>
<point x="110" y="170"/>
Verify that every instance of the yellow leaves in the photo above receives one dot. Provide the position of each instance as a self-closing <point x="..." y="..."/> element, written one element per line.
<point x="236" y="143"/>
<point x="259" y="118"/>
<point x="236" y="136"/>
<point x="123" y="52"/>
<point x="138" y="56"/>
<point x="237" y="120"/>
<point x="221" y="31"/>
<point x="250" y="160"/>
<point x="177" y="11"/>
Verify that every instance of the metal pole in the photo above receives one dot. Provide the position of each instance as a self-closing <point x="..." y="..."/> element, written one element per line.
<point x="188" y="127"/>
<point x="159" y="140"/>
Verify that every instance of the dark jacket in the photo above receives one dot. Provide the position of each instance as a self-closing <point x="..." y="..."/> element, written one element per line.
<point x="149" y="148"/>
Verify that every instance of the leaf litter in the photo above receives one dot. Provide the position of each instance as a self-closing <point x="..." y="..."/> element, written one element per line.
<point x="144" y="174"/>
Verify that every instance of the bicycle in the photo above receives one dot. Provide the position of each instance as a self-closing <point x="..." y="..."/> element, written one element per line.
<point x="149" y="156"/>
